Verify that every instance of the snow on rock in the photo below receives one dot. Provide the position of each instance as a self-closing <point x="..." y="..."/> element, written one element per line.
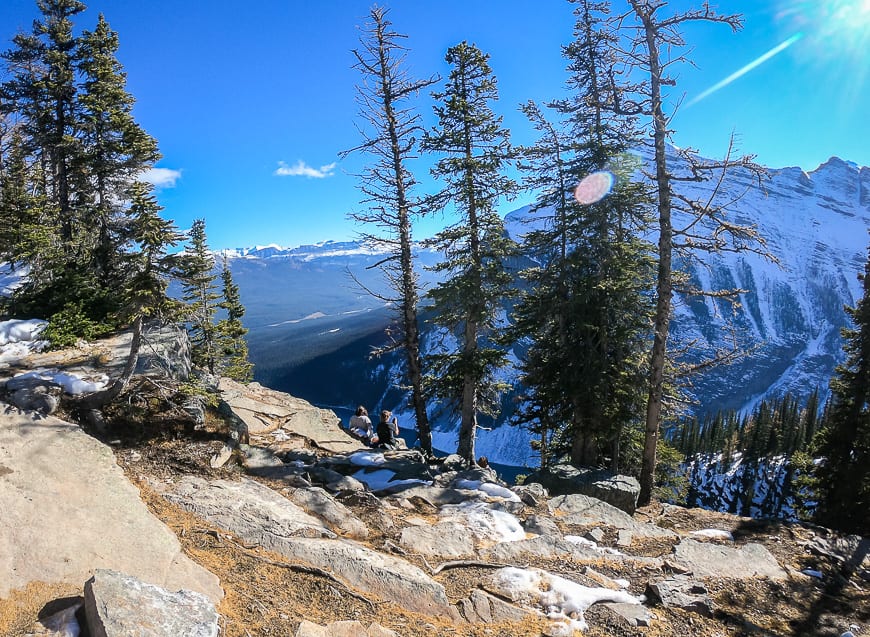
<point x="18" y="338"/>
<point x="717" y="534"/>
<point x="557" y="597"/>
<point x="366" y="458"/>
<point x="71" y="383"/>
<point x="383" y="479"/>
<point x="489" y="488"/>
<point x="486" y="523"/>
<point x="14" y="331"/>
<point x="582" y="541"/>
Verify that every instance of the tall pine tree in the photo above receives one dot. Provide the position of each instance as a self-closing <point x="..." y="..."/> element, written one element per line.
<point x="844" y="443"/>
<point x="468" y="303"/>
<point x="200" y="294"/>
<point x="115" y="149"/>
<point x="586" y="311"/>
<point x="232" y="348"/>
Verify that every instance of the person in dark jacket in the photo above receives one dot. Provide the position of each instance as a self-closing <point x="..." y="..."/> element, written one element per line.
<point x="388" y="431"/>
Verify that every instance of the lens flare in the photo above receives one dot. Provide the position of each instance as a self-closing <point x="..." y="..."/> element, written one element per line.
<point x="761" y="59"/>
<point x="594" y="187"/>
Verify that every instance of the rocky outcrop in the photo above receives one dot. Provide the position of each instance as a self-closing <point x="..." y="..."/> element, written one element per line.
<point x="582" y="510"/>
<point x="68" y="509"/>
<point x="617" y="490"/>
<point x="118" y="605"/>
<point x="264" y="411"/>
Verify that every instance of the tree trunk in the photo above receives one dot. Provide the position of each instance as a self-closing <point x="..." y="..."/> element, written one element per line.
<point x="664" y="290"/>
<point x="104" y="397"/>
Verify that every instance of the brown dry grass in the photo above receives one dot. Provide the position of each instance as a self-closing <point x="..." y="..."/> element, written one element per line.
<point x="24" y="606"/>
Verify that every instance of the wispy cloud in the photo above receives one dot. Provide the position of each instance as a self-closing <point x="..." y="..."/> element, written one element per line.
<point x="301" y="169"/>
<point x="161" y="177"/>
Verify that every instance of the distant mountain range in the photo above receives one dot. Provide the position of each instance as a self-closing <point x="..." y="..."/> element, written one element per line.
<point x="312" y="326"/>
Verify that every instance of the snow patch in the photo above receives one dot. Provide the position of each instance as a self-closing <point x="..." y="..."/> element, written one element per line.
<point x="489" y="488"/>
<point x="717" y="534"/>
<point x="71" y="383"/>
<point x="383" y="478"/>
<point x="366" y="459"/>
<point x="485" y="522"/>
<point x="557" y="597"/>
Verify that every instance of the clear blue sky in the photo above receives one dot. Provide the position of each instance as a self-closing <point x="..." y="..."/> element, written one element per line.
<point x="233" y="91"/>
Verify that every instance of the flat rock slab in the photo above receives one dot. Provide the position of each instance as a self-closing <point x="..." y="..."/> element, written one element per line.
<point x="444" y="540"/>
<point x="249" y="509"/>
<point x="584" y="510"/>
<point x="376" y="575"/>
<point x="118" y="605"/>
<point x="318" y="502"/>
<point x="265" y="410"/>
<point x="68" y="509"/>
<point x="259" y="515"/>
<point x="715" y="560"/>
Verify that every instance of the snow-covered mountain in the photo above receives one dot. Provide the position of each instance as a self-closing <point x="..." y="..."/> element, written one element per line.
<point x="312" y="326"/>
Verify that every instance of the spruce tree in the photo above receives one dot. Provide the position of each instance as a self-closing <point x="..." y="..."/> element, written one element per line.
<point x="389" y="138"/>
<point x="844" y="442"/>
<point x="200" y="293"/>
<point x="115" y="149"/>
<point x="232" y="347"/>
<point x="586" y="309"/>
<point x="469" y="302"/>
<point x="150" y="266"/>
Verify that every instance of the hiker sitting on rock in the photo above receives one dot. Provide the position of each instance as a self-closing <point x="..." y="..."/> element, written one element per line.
<point x="388" y="431"/>
<point x="361" y="425"/>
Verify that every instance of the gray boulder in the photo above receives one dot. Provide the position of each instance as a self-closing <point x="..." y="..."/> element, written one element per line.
<point x="617" y="490"/>
<point x="716" y="560"/>
<point x="318" y="502"/>
<point x="683" y="592"/>
<point x="249" y="509"/>
<point x="582" y="510"/>
<point x="444" y="540"/>
<point x="118" y="605"/>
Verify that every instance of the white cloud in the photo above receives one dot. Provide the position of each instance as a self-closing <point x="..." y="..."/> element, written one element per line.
<point x="301" y="169"/>
<point x="161" y="177"/>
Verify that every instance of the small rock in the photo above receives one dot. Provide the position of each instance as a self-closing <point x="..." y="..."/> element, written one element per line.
<point x="542" y="525"/>
<point x="632" y="614"/>
<point x="596" y="535"/>
<point x="60" y="624"/>
<point x="118" y="605"/>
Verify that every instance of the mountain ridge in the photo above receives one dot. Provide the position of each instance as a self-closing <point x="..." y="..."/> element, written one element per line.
<point x="815" y="223"/>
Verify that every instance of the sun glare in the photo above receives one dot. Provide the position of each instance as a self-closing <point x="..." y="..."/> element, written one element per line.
<point x="839" y="28"/>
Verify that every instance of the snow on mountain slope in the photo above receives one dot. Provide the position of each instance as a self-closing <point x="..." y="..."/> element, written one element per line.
<point x="815" y="224"/>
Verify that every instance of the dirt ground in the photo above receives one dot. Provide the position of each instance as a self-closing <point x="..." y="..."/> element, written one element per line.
<point x="267" y="596"/>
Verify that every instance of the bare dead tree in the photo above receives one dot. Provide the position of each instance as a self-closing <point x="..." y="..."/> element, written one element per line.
<point x="389" y="132"/>
<point x="654" y="45"/>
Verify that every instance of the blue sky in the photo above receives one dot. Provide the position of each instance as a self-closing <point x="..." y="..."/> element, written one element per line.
<point x="240" y="95"/>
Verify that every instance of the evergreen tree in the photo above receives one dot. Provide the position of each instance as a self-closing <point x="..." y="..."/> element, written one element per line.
<point x="468" y="302"/>
<point x="389" y="138"/>
<point x="200" y="294"/>
<point x="232" y="347"/>
<point x="844" y="443"/>
<point x="150" y="267"/>
<point x="115" y="149"/>
<point x="42" y="90"/>
<point x="79" y="152"/>
<point x="586" y="309"/>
